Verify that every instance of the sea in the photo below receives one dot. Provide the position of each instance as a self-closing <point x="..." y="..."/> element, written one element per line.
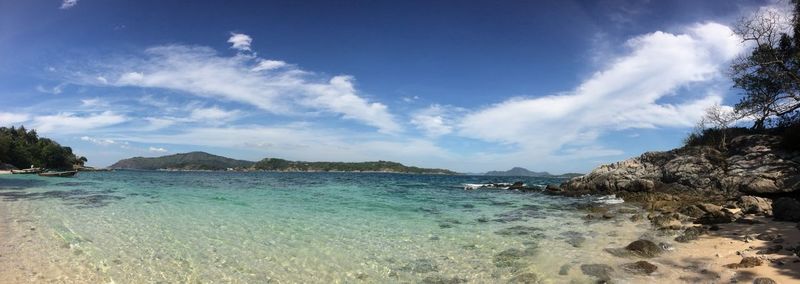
<point x="266" y="227"/>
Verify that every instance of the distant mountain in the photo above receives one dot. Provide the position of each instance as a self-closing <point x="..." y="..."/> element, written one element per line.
<point x="184" y="161"/>
<point x="206" y="161"/>
<point x="523" y="172"/>
<point x="272" y="164"/>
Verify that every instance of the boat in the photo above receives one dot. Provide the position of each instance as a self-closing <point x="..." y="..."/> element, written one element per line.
<point x="27" y="171"/>
<point x="58" y="174"/>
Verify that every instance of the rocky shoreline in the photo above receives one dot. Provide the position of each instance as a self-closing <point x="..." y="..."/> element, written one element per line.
<point x="701" y="192"/>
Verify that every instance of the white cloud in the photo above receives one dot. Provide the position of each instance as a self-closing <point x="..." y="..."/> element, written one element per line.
<point x="285" y="91"/>
<point x="74" y="123"/>
<point x="8" y="119"/>
<point x="155" y="123"/>
<point x="95" y="102"/>
<point x="265" y="64"/>
<point x="240" y="41"/>
<point x="434" y="121"/>
<point x="213" y="114"/>
<point x="626" y="95"/>
<point x="55" y="90"/>
<point x="98" y="141"/>
<point x="410" y="99"/>
<point x="66" y="4"/>
<point x="157" y="149"/>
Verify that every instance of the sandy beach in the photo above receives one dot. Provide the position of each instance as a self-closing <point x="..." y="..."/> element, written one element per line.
<point x="732" y="242"/>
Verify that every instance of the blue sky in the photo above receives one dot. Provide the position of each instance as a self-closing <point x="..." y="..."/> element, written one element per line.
<point x="466" y="85"/>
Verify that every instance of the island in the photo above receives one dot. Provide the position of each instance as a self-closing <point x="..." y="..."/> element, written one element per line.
<point x="523" y="172"/>
<point x="202" y="161"/>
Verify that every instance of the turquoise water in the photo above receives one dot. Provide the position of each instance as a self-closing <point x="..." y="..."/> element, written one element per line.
<point x="137" y="227"/>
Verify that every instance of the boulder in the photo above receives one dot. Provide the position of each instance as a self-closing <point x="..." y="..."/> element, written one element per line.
<point x="757" y="166"/>
<point x="713" y="215"/>
<point x="746" y="262"/>
<point x="668" y="221"/>
<point x="755" y="205"/>
<point x="786" y="209"/>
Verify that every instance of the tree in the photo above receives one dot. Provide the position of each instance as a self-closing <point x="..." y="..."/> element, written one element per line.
<point x="770" y="74"/>
<point x="720" y="118"/>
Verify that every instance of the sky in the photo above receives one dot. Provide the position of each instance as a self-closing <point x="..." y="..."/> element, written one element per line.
<point x="472" y="86"/>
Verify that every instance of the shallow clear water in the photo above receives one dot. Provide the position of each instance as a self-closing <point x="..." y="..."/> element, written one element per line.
<point x="135" y="227"/>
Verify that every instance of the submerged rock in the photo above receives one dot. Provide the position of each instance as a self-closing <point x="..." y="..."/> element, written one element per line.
<point x="644" y="248"/>
<point x="519" y="231"/>
<point x="601" y="271"/>
<point x="511" y="257"/>
<point x="640" y="267"/>
<point x="420" y="266"/>
<point x="438" y="279"/>
<point x="576" y="239"/>
<point x="525" y="278"/>
<point x="564" y="270"/>
<point x="691" y="234"/>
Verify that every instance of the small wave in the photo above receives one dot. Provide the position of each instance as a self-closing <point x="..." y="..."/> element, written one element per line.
<point x="609" y="199"/>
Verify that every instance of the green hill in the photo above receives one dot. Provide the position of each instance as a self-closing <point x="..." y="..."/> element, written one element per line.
<point x="272" y="164"/>
<point x="184" y="161"/>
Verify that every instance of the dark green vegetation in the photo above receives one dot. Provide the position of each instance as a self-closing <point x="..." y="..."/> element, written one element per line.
<point x="184" y="161"/>
<point x="22" y="148"/>
<point x="205" y="161"/>
<point x="523" y="172"/>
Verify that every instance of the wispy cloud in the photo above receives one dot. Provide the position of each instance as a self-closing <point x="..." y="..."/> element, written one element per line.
<point x="276" y="87"/>
<point x="98" y="141"/>
<point x="76" y="123"/>
<point x="66" y="4"/>
<point x="10" y="118"/>
<point x="434" y="120"/>
<point x="625" y="95"/>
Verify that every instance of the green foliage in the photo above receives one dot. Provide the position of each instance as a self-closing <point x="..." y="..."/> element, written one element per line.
<point x="22" y="148"/>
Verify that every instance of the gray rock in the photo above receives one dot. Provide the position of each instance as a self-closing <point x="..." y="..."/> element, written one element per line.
<point x="786" y="209"/>
<point x="755" y="205"/>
